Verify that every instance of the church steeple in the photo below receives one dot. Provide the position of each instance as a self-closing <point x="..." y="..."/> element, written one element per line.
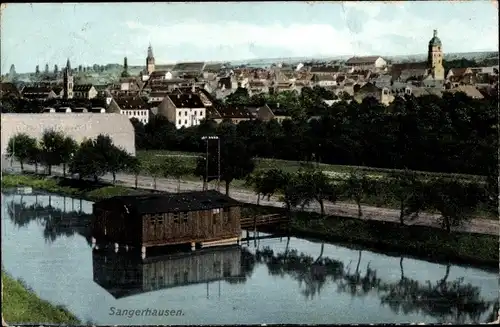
<point x="68" y="82"/>
<point x="68" y="66"/>
<point x="150" y="52"/>
<point x="150" y="60"/>
<point x="435" y="57"/>
<point x="125" y="68"/>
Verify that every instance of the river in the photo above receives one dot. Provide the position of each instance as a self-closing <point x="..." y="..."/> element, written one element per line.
<point x="45" y="242"/>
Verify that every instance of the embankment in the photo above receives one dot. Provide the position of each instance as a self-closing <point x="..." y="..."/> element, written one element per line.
<point x="424" y="242"/>
<point x="21" y="305"/>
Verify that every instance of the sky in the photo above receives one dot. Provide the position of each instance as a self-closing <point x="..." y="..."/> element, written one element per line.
<point x="101" y="33"/>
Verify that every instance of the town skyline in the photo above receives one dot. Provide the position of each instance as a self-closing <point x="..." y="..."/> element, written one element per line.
<point x="237" y="31"/>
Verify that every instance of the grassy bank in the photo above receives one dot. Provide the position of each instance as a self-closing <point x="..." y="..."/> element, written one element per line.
<point x="425" y="242"/>
<point x="21" y="305"/>
<point x="74" y="188"/>
<point x="189" y="159"/>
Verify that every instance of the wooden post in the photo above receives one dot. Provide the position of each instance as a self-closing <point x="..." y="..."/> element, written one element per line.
<point x="143" y="252"/>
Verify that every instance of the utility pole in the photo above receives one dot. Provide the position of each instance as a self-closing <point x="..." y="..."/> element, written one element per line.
<point x="206" y="138"/>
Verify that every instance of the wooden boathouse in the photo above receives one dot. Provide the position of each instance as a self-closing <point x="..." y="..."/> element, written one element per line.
<point x="202" y="219"/>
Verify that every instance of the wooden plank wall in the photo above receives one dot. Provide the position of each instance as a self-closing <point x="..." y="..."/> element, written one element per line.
<point x="194" y="226"/>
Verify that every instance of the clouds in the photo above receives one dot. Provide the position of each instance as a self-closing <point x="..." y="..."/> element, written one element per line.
<point x="362" y="32"/>
<point x="104" y="33"/>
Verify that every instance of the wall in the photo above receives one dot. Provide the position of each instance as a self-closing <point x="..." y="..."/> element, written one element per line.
<point x="77" y="125"/>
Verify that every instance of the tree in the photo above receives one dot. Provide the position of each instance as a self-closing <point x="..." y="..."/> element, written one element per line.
<point x="409" y="192"/>
<point x="134" y="166"/>
<point x="52" y="148"/>
<point x="295" y="192"/>
<point x="35" y="156"/>
<point x="176" y="168"/>
<point x="114" y="159"/>
<point x="455" y="201"/>
<point x="68" y="149"/>
<point x="154" y="169"/>
<point x="117" y="160"/>
<point x="20" y="147"/>
<point x="87" y="162"/>
<point x="357" y="187"/>
<point x="319" y="187"/>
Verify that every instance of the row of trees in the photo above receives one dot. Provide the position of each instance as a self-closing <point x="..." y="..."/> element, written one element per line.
<point x="453" y="134"/>
<point x="455" y="201"/>
<point x="90" y="159"/>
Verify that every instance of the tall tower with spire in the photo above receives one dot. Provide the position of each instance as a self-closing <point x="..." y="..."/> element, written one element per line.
<point x="68" y="81"/>
<point x="150" y="61"/>
<point x="125" y="68"/>
<point x="435" y="58"/>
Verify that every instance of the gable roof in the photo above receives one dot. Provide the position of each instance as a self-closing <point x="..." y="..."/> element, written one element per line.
<point x="362" y="60"/>
<point x="324" y="69"/>
<point x="178" y="202"/>
<point x="186" y="100"/>
<point x="234" y="112"/>
<point x="130" y="103"/>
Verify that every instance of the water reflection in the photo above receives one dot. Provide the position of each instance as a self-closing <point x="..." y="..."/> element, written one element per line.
<point x="58" y="216"/>
<point x="447" y="301"/>
<point x="124" y="274"/>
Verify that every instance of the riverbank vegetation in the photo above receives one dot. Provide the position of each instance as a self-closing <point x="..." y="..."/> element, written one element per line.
<point x="21" y="305"/>
<point x="424" y="242"/>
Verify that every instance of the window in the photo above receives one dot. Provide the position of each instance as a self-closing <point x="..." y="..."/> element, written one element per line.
<point x="185" y="121"/>
<point x="152" y="221"/>
<point x="215" y="215"/>
<point x="184" y="217"/>
<point x="185" y="113"/>
<point x="176" y="217"/>
<point x="186" y="277"/>
<point x="159" y="220"/>
<point x="226" y="216"/>
<point x="180" y="122"/>
<point x="161" y="281"/>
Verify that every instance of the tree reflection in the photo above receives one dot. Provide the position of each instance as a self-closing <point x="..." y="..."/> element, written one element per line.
<point x="447" y="301"/>
<point x="55" y="222"/>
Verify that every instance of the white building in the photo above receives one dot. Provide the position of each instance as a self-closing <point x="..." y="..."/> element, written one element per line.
<point x="184" y="110"/>
<point x="132" y="107"/>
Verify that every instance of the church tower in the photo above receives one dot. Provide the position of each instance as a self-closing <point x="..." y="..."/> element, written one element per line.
<point x="125" y="68"/>
<point x="150" y="61"/>
<point x="435" y="58"/>
<point x="68" y="81"/>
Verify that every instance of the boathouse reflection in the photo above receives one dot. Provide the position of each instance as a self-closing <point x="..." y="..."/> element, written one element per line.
<point x="125" y="274"/>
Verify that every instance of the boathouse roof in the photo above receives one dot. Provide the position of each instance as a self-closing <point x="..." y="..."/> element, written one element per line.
<point x="163" y="203"/>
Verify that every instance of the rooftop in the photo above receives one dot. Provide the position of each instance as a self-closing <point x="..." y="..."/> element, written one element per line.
<point x="179" y="202"/>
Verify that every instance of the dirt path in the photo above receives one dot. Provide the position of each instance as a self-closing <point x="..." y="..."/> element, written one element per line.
<point x="477" y="225"/>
